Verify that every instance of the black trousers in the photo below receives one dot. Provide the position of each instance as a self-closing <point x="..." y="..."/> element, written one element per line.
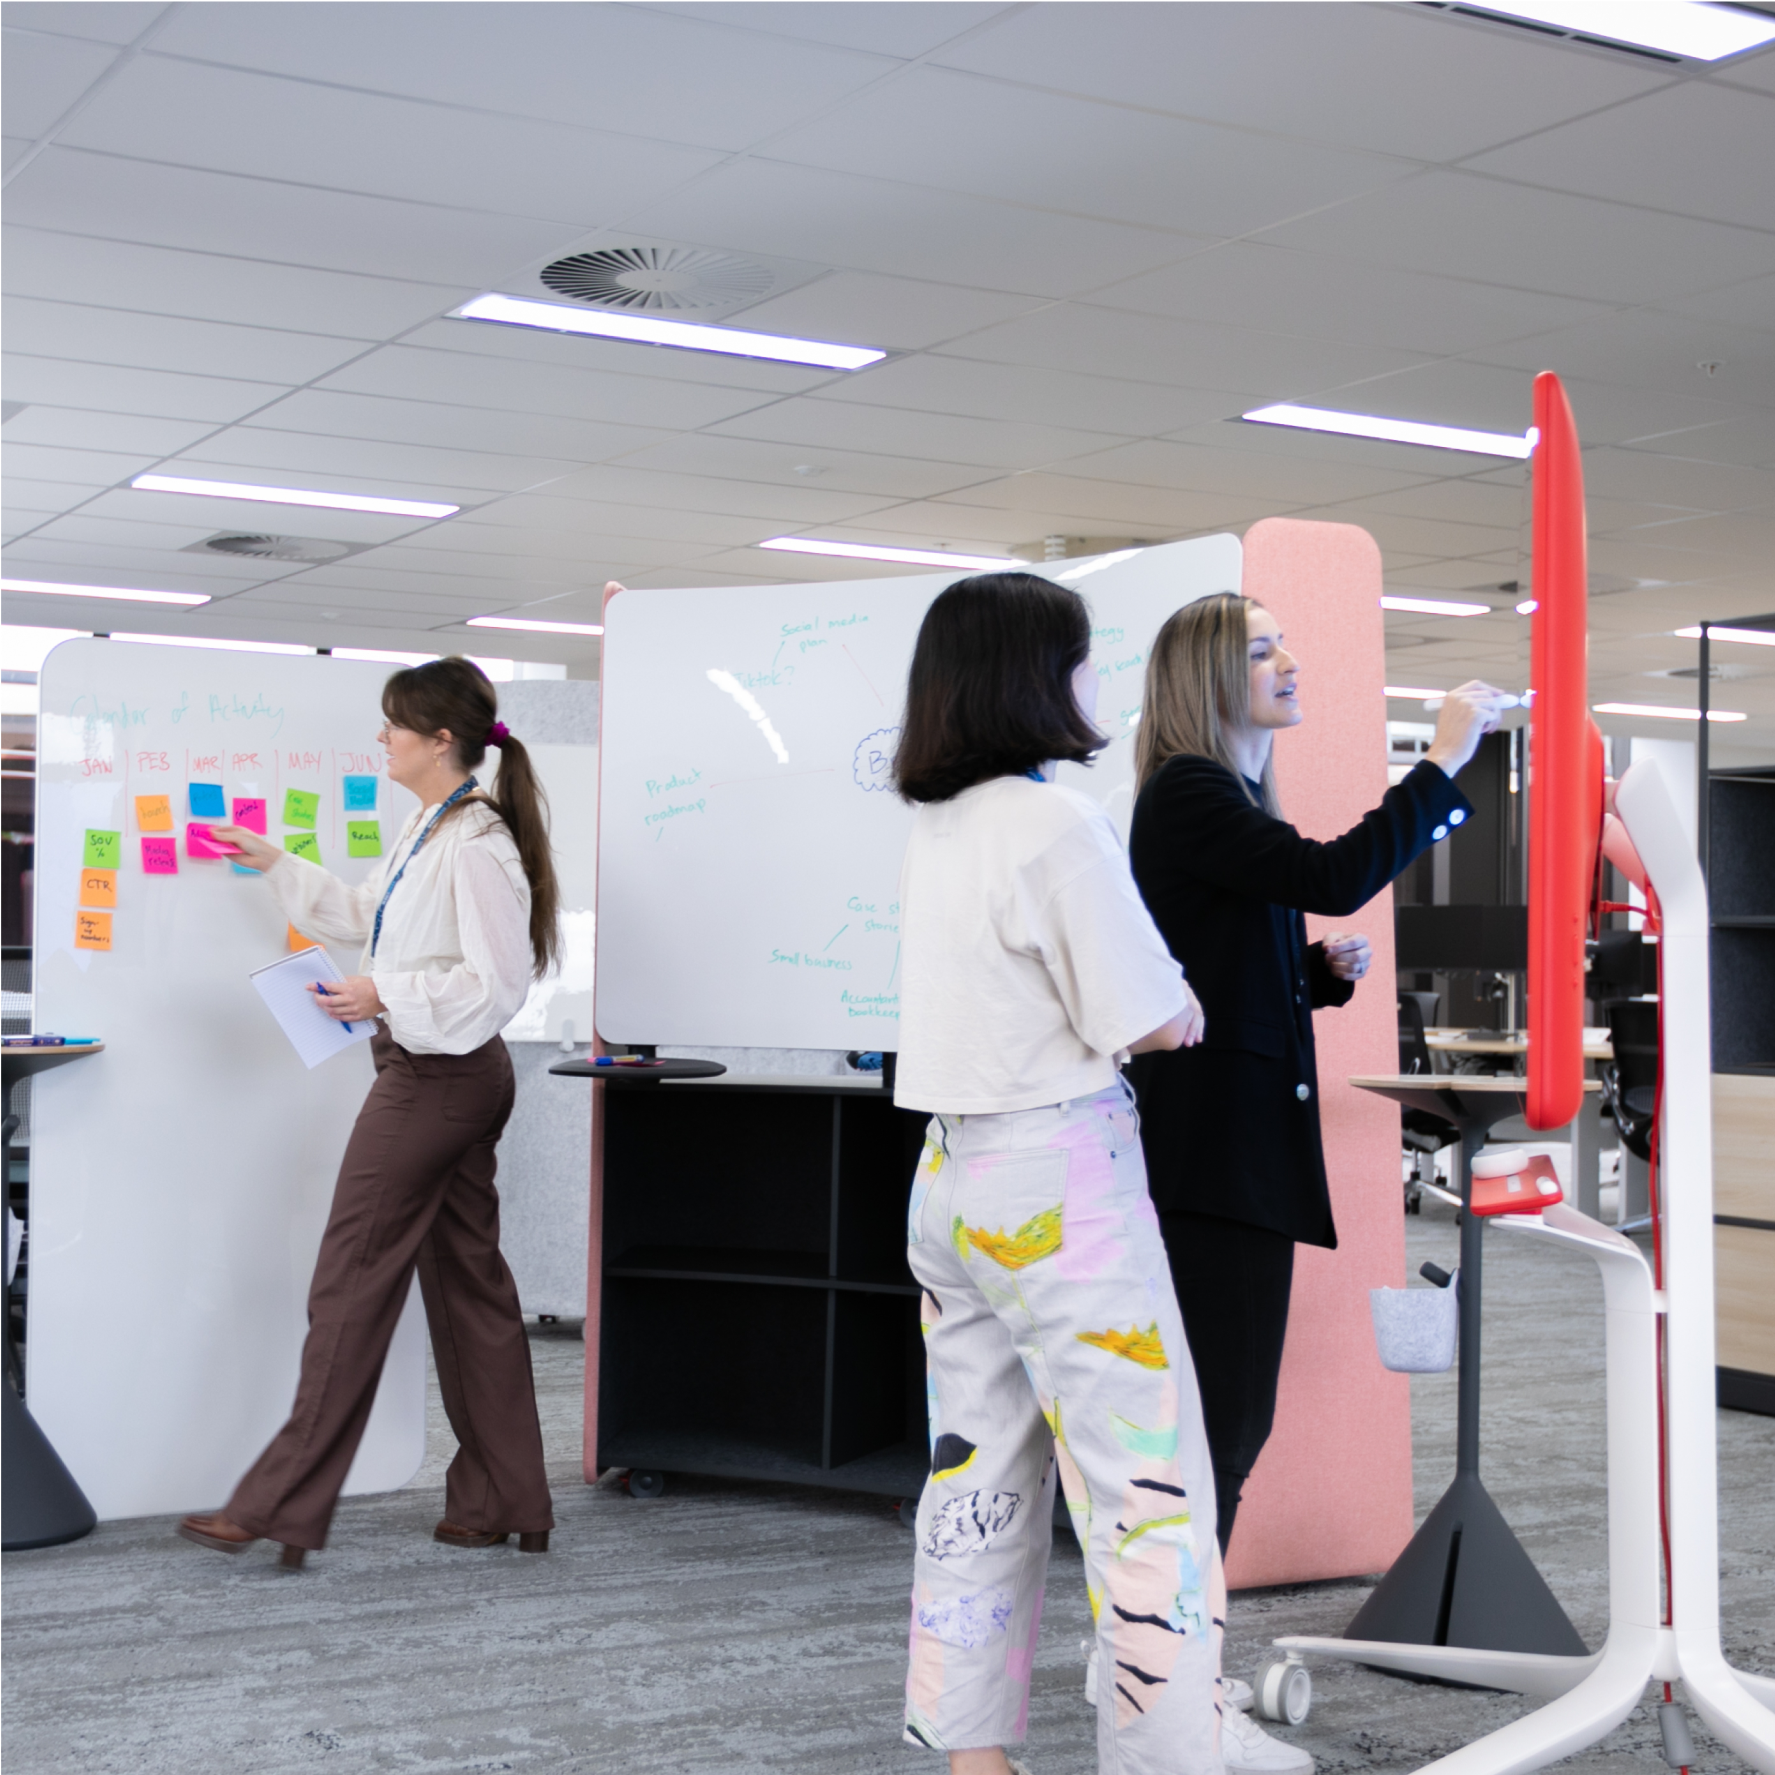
<point x="1233" y="1282"/>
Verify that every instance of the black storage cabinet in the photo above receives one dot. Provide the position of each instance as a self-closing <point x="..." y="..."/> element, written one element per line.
<point x="758" y="1318"/>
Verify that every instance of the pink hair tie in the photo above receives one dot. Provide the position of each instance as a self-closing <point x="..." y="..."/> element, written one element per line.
<point x="498" y="734"/>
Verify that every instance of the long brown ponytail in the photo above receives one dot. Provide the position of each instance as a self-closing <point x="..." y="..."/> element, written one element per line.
<point x="456" y="697"/>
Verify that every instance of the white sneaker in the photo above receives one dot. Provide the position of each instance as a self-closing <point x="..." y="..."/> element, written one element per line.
<point x="1234" y="1693"/>
<point x="1244" y="1744"/>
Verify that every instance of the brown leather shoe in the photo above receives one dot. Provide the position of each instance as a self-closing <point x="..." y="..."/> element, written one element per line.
<point x="215" y="1530"/>
<point x="454" y="1535"/>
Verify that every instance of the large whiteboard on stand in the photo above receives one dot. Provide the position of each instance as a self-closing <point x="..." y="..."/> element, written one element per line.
<point x="749" y="839"/>
<point x="180" y="1181"/>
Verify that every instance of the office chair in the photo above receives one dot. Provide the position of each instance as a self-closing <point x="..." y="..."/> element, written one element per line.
<point x="1630" y="1080"/>
<point x="1421" y="1133"/>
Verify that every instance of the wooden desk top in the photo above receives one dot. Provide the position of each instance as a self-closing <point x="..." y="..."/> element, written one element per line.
<point x="24" y="1063"/>
<point x="1448" y="1081"/>
<point x="1461" y="1041"/>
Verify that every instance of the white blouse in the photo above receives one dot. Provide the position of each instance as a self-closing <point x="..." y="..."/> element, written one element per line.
<point x="454" y="961"/>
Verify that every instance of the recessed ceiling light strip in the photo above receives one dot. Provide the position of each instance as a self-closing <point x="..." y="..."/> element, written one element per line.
<point x="532" y="626"/>
<point x="1685" y="28"/>
<point x="869" y="551"/>
<point x="1661" y="713"/>
<point x="1750" y="637"/>
<point x="1435" y="606"/>
<point x="211" y="641"/>
<point x="340" y="502"/>
<point x="1394" y="431"/>
<point x="642" y="329"/>
<point x="125" y="594"/>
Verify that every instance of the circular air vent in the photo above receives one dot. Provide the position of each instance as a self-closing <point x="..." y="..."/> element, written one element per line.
<point x="658" y="280"/>
<point x="276" y="548"/>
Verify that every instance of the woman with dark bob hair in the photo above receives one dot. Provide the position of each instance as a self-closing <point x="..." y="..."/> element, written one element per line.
<point x="1053" y="1339"/>
<point x="455" y="923"/>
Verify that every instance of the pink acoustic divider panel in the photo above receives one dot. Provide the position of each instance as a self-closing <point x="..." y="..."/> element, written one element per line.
<point x="1331" y="1493"/>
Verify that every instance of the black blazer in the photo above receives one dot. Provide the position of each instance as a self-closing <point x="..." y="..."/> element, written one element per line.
<point x="1231" y="1128"/>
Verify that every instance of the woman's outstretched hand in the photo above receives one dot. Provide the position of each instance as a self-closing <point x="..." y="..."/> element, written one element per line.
<point x="1347" y="954"/>
<point x="255" y="852"/>
<point x="1468" y="714"/>
<point x="353" y="1000"/>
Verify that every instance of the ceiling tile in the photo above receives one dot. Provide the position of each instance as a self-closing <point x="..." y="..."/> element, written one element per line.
<point x="106" y="388"/>
<point x="1318" y="72"/>
<point x="189" y="114"/>
<point x="257" y="218"/>
<point x="957" y="132"/>
<point x="1166" y="511"/>
<point x="44" y="462"/>
<point x="1216" y="464"/>
<point x="1459" y="501"/>
<point x="322" y="413"/>
<point x="161" y="342"/>
<point x="1461" y="225"/>
<point x="1624" y="153"/>
<point x="360" y="465"/>
<point x="580" y="392"/>
<point x="213" y="286"/>
<point x="1258" y="284"/>
<point x="714" y="481"/>
<point x="1668" y="480"/>
<point x="73" y="428"/>
<point x="178" y="510"/>
<point x="830" y="470"/>
<point x="725" y="87"/>
<point x="591" y="518"/>
<point x="1244" y="366"/>
<point x="861" y="224"/>
<point x="105" y="21"/>
<point x="43" y="76"/>
<point x="881" y="28"/>
<point x="894" y="313"/>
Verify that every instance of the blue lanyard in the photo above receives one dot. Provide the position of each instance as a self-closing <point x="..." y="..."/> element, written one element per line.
<point x="382" y="906"/>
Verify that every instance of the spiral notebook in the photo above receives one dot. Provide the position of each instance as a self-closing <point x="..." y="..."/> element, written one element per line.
<point x="284" y="984"/>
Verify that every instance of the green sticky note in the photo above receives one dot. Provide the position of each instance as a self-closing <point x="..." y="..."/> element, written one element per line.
<point x="300" y="807"/>
<point x="302" y="844"/>
<point x="103" y="849"/>
<point x="363" y="838"/>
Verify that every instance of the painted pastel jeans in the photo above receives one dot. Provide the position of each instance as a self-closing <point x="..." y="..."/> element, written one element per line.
<point x="1054" y="1344"/>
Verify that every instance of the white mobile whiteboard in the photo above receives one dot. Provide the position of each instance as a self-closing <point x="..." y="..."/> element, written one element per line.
<point x="749" y="838"/>
<point x="180" y="1180"/>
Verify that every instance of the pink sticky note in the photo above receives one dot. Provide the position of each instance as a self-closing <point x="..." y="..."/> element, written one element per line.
<point x="250" y="814"/>
<point x="160" y="856"/>
<point x="199" y="843"/>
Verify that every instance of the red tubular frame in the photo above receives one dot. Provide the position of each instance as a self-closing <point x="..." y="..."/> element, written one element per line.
<point x="1565" y="770"/>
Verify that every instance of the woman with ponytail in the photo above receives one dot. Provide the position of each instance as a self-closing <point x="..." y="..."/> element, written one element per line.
<point x="456" y="922"/>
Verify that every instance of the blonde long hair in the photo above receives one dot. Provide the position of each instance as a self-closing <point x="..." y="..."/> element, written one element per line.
<point x="1198" y="685"/>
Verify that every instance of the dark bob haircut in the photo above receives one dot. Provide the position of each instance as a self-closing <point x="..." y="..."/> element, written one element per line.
<point x="990" y="691"/>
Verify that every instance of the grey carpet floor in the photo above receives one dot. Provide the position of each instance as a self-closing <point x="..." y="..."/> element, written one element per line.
<point x="736" y="1628"/>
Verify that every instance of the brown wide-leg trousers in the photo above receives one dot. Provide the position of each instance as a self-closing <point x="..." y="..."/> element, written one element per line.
<point x="416" y="1187"/>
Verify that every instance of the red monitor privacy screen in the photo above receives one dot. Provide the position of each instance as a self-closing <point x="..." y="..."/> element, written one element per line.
<point x="1565" y="770"/>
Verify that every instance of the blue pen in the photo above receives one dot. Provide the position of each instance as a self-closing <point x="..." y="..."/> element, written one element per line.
<point x="320" y="986"/>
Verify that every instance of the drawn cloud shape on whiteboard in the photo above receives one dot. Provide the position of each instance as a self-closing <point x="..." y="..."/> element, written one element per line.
<point x="747" y="701"/>
<point x="872" y="764"/>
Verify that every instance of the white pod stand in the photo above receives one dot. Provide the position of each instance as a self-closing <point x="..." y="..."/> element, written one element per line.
<point x="1588" y="1697"/>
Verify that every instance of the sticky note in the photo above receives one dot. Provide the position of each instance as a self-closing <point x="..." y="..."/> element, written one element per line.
<point x="302" y="844"/>
<point x="363" y="838"/>
<point x="300" y="807"/>
<point x="92" y="930"/>
<point x="154" y="813"/>
<point x="299" y="942"/>
<point x="104" y="850"/>
<point x="360" y="793"/>
<point x="160" y="856"/>
<point x="242" y="869"/>
<point x="98" y="887"/>
<point x="250" y="814"/>
<point x="207" y="802"/>
<point x="199" y="843"/>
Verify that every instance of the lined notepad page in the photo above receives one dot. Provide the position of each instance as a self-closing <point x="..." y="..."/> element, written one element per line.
<point x="313" y="1034"/>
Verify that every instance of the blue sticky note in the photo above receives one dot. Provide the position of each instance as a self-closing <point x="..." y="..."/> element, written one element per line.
<point x="242" y="869"/>
<point x="207" y="802"/>
<point x="360" y="794"/>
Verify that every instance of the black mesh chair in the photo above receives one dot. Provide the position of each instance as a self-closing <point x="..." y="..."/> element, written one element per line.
<point x="1630" y="1080"/>
<point x="1422" y="1134"/>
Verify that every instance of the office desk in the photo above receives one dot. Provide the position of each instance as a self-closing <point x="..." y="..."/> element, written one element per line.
<point x="1586" y="1131"/>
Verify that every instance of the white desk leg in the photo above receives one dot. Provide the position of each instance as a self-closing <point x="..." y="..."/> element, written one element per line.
<point x="1586" y="1134"/>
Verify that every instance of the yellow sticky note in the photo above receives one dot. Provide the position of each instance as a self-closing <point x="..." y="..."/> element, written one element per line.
<point x="98" y="887"/>
<point x="92" y="930"/>
<point x="299" y="942"/>
<point x="154" y="813"/>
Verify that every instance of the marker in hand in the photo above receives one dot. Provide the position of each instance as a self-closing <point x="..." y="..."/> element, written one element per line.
<point x="320" y="986"/>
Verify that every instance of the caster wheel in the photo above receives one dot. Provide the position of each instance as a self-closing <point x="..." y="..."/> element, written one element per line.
<point x="646" y="1482"/>
<point x="1282" y="1690"/>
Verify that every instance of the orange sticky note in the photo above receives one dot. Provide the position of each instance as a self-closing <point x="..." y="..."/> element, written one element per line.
<point x="154" y="813"/>
<point x="98" y="887"/>
<point x="299" y="942"/>
<point x="92" y="930"/>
